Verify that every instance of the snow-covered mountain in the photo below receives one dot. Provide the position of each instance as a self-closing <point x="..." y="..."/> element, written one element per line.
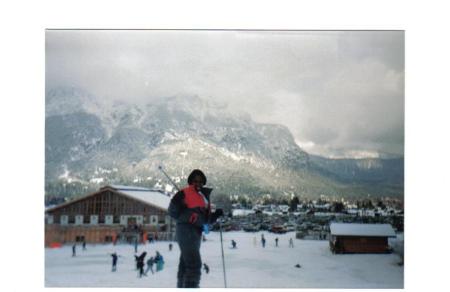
<point x="93" y="141"/>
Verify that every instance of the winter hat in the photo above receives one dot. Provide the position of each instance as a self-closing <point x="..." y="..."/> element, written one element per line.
<point x="194" y="173"/>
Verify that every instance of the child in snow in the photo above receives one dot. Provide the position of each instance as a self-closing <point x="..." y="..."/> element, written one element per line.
<point x="159" y="260"/>
<point x="140" y="263"/>
<point x="233" y="243"/>
<point x="206" y="267"/>
<point x="150" y="263"/>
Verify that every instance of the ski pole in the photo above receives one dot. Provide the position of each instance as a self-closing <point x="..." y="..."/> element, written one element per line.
<point x="223" y="257"/>
<point x="168" y="177"/>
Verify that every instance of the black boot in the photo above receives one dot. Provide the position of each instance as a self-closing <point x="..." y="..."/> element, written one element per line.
<point x="191" y="284"/>
<point x="180" y="283"/>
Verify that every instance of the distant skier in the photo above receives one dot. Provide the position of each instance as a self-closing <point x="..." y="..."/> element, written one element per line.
<point x="206" y="267"/>
<point x="291" y="242"/>
<point x="263" y="240"/>
<point x="233" y="243"/>
<point x="114" y="261"/>
<point x="159" y="260"/>
<point x="74" y="250"/>
<point x="170" y="246"/>
<point x="150" y="263"/>
<point x="140" y="263"/>
<point x="276" y="242"/>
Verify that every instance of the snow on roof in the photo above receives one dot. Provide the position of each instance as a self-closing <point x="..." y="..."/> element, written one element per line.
<point x="358" y="229"/>
<point x="153" y="197"/>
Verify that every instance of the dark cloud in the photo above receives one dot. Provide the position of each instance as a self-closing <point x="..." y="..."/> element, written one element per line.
<point x="336" y="91"/>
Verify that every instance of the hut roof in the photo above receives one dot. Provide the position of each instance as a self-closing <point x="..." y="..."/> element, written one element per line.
<point x="359" y="229"/>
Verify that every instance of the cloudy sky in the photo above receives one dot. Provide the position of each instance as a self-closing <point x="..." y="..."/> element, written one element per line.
<point x="341" y="93"/>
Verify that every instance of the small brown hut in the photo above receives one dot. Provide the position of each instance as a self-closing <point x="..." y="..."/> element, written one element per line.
<point x="360" y="238"/>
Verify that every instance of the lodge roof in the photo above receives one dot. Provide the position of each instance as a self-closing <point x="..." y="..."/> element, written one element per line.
<point x="153" y="197"/>
<point x="360" y="229"/>
<point x="156" y="198"/>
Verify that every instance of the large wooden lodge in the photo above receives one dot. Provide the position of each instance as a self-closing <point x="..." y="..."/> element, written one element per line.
<point x="113" y="213"/>
<point x="360" y="238"/>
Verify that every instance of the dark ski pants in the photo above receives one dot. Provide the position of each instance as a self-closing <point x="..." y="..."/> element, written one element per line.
<point x="190" y="266"/>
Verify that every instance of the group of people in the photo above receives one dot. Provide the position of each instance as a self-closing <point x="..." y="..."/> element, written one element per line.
<point x="157" y="260"/>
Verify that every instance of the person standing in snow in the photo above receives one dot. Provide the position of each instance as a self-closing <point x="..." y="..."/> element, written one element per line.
<point x="135" y="245"/>
<point x="159" y="260"/>
<point x="74" y="249"/>
<point x="191" y="208"/>
<point x="291" y="242"/>
<point x="170" y="246"/>
<point x="233" y="243"/>
<point x="263" y="240"/>
<point x="84" y="245"/>
<point x="276" y="242"/>
<point x="150" y="263"/>
<point x="140" y="263"/>
<point x="114" y="262"/>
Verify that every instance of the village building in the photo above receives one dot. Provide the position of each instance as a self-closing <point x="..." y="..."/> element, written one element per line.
<point x="360" y="238"/>
<point x="113" y="213"/>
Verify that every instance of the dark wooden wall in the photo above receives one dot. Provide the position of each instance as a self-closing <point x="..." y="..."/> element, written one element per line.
<point x="356" y="244"/>
<point x="104" y="203"/>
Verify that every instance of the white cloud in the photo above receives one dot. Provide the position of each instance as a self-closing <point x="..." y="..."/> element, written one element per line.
<point x="340" y="90"/>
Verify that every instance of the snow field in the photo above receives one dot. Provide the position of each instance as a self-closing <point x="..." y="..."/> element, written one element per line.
<point x="248" y="266"/>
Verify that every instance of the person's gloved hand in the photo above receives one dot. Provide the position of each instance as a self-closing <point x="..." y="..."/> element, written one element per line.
<point x="193" y="218"/>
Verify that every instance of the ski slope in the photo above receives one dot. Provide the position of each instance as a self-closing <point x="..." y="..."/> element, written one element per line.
<point x="248" y="266"/>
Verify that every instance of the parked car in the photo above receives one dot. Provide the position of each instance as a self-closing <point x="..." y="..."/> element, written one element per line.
<point x="278" y="229"/>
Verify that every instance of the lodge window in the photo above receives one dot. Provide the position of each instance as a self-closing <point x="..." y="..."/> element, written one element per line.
<point x="71" y="219"/>
<point x="63" y="220"/>
<point x="153" y="219"/>
<point x="162" y="220"/>
<point x="109" y="219"/>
